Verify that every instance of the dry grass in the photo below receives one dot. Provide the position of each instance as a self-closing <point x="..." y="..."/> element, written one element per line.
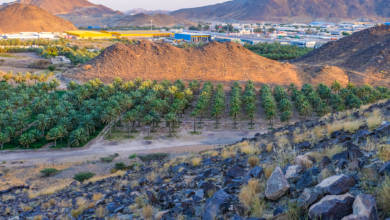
<point x="253" y="161"/>
<point x="228" y="152"/>
<point x="100" y="212"/>
<point x="102" y="177"/>
<point x="319" y="132"/>
<point x="329" y="152"/>
<point x="325" y="173"/>
<point x="60" y="185"/>
<point x="384" y="152"/>
<point x="375" y="119"/>
<point x="250" y="199"/>
<point x="151" y="177"/>
<point x="211" y="153"/>
<point x="196" y="161"/>
<point x="283" y="141"/>
<point x="82" y="205"/>
<point x="285" y="156"/>
<point x="248" y="149"/>
<point x="269" y="148"/>
<point x="268" y="169"/>
<point x="147" y="212"/>
<point x="346" y="125"/>
<point x="383" y="196"/>
<point x="97" y="196"/>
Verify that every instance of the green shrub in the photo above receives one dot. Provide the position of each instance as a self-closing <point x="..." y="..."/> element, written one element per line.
<point x="133" y="156"/>
<point x="49" y="172"/>
<point x="81" y="177"/>
<point x="51" y="68"/>
<point x="120" y="166"/>
<point x="109" y="159"/>
<point x="153" y="157"/>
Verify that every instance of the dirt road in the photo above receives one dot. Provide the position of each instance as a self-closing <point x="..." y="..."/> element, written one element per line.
<point x="100" y="147"/>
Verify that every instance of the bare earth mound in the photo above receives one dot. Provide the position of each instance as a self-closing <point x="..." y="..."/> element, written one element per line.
<point x="158" y="61"/>
<point x="24" y="18"/>
<point x="365" y="55"/>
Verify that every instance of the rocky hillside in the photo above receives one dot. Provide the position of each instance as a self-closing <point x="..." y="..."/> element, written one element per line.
<point x="277" y="10"/>
<point x="79" y="12"/>
<point x="366" y="52"/>
<point x="162" y="61"/>
<point x="17" y="18"/>
<point x="331" y="168"/>
<point x="159" y="20"/>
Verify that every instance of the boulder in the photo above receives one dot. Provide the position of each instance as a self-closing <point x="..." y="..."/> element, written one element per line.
<point x="304" y="161"/>
<point x="293" y="172"/>
<point x="308" y="178"/>
<point x="235" y="172"/>
<point x="364" y="207"/>
<point x="336" y="185"/>
<point x="255" y="172"/>
<point x="385" y="169"/>
<point x="332" y="207"/>
<point x="214" y="204"/>
<point x="309" y="197"/>
<point x="277" y="185"/>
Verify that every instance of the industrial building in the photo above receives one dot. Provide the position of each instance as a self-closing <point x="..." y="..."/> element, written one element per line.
<point x="193" y="37"/>
<point x="30" y="35"/>
<point x="117" y="34"/>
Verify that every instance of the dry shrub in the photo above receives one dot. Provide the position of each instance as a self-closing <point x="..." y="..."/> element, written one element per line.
<point x="248" y="149"/>
<point x="100" y="212"/>
<point x="196" y="161"/>
<point x="319" y="132"/>
<point x="151" y="177"/>
<point x="82" y="205"/>
<point x="249" y="197"/>
<point x="211" y="153"/>
<point x="285" y="156"/>
<point x="228" y="152"/>
<point x="147" y="212"/>
<point x="97" y="196"/>
<point x="98" y="178"/>
<point x="51" y="189"/>
<point x="283" y="141"/>
<point x="374" y="119"/>
<point x="352" y="126"/>
<point x="268" y="169"/>
<point x="253" y="161"/>
<point x="384" y="152"/>
<point x="383" y="196"/>
<point x="269" y="148"/>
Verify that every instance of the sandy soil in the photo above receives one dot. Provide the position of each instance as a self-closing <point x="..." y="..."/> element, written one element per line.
<point x="101" y="147"/>
<point x="19" y="62"/>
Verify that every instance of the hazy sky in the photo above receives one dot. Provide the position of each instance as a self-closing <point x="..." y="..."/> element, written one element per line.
<point x="124" y="5"/>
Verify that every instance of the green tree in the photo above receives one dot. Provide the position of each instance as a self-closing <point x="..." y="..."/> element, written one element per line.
<point x="235" y="103"/>
<point x="4" y="138"/>
<point x="219" y="104"/>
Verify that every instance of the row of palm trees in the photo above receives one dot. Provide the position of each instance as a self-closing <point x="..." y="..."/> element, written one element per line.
<point x="32" y="115"/>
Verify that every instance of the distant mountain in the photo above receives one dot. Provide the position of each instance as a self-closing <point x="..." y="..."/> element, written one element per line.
<point x="145" y="11"/>
<point x="79" y="12"/>
<point x="281" y="10"/>
<point x="15" y="18"/>
<point x="160" y="20"/>
<point x="365" y="54"/>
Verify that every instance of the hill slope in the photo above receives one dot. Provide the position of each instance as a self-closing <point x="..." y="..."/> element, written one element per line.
<point x="160" y="20"/>
<point x="276" y="10"/>
<point x="66" y="6"/>
<point x="16" y="18"/>
<point x="214" y="61"/>
<point x="366" y="52"/>
<point x="79" y="12"/>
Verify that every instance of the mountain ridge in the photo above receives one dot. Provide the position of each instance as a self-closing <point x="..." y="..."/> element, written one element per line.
<point x="279" y="10"/>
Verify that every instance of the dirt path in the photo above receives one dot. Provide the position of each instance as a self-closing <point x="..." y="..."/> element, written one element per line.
<point x="100" y="147"/>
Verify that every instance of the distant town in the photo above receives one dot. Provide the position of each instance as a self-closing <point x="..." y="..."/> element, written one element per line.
<point x="311" y="35"/>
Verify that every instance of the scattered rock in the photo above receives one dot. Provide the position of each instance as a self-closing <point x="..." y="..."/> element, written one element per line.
<point x="385" y="169"/>
<point x="277" y="185"/>
<point x="213" y="205"/>
<point x="292" y="172"/>
<point x="336" y="185"/>
<point x="364" y="207"/>
<point x="304" y="161"/>
<point x="332" y="207"/>
<point x="309" y="197"/>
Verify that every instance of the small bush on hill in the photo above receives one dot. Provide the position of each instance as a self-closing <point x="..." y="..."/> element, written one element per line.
<point x="153" y="157"/>
<point x="49" y="172"/>
<point x="109" y="159"/>
<point x="81" y="177"/>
